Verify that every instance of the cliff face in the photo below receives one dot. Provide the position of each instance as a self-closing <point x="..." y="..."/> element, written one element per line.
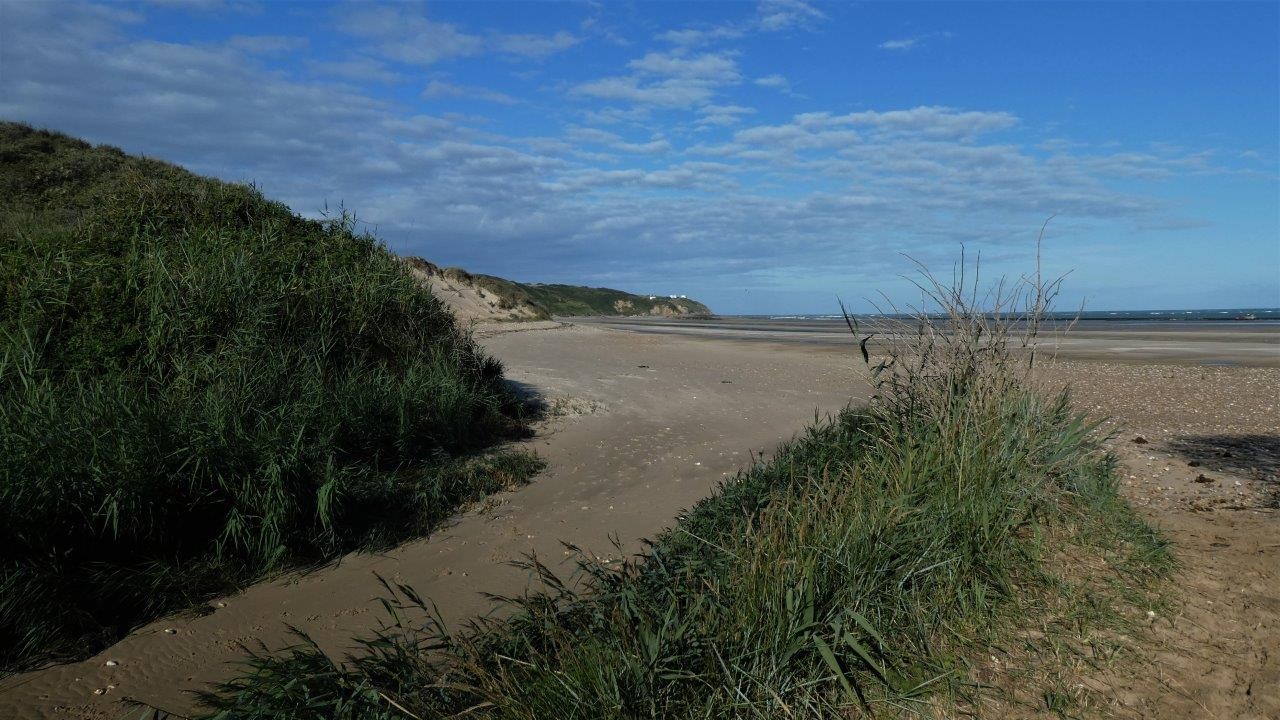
<point x="488" y="298"/>
<point x="469" y="300"/>
<point x="676" y="308"/>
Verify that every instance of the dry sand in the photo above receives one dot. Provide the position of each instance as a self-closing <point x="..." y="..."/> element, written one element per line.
<point x="468" y="301"/>
<point x="647" y="423"/>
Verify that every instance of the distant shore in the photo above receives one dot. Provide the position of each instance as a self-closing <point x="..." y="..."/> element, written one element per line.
<point x="1242" y="343"/>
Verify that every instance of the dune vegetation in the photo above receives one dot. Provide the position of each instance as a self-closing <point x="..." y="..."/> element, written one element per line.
<point x="956" y="546"/>
<point x="570" y="300"/>
<point x="198" y="387"/>
<point x="544" y="300"/>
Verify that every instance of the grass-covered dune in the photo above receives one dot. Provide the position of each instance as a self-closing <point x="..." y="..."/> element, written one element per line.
<point x="571" y="300"/>
<point x="575" y="300"/>
<point x="198" y="387"/>
<point x="958" y="547"/>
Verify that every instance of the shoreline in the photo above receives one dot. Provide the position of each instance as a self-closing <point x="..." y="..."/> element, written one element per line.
<point x="1210" y="343"/>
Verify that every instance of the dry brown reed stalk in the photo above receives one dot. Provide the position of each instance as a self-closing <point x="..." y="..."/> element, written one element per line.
<point x="960" y="342"/>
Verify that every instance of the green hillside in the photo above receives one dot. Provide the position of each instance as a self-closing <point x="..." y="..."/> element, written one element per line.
<point x="576" y="300"/>
<point x="570" y="300"/>
<point x="198" y="387"/>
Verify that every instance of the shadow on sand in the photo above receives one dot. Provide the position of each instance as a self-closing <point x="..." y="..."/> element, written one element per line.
<point x="534" y="402"/>
<point x="1256" y="456"/>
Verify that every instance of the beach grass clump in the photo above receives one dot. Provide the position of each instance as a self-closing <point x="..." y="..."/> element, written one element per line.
<point x="876" y="565"/>
<point x="198" y="387"/>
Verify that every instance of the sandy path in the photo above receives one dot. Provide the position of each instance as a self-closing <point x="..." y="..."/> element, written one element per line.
<point x="652" y="441"/>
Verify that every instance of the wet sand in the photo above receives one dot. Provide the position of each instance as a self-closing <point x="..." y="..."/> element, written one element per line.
<point x="1227" y="343"/>
<point x="650" y="415"/>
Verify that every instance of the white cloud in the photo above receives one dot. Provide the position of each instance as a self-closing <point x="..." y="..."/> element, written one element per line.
<point x="614" y="115"/>
<point x="437" y="89"/>
<point x="905" y="44"/>
<point x="410" y="37"/>
<point x="406" y="34"/>
<point x="929" y="121"/>
<point x="666" y="93"/>
<point x="721" y="115"/>
<point x="656" y="146"/>
<point x="268" y="44"/>
<point x="777" y="15"/>
<point x="770" y="16"/>
<point x="774" y="81"/>
<point x="191" y="4"/>
<point x="358" y="69"/>
<point x="911" y="43"/>
<point x="537" y="47"/>
<point x="700" y="36"/>
<point x="674" y="79"/>
<point x="694" y="175"/>
<point x="710" y="67"/>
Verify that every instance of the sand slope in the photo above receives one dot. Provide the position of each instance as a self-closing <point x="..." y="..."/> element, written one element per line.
<point x="469" y="302"/>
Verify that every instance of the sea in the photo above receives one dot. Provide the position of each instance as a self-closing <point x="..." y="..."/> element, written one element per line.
<point x="1218" y="336"/>
<point x="1230" y="315"/>
<point x="1244" y="317"/>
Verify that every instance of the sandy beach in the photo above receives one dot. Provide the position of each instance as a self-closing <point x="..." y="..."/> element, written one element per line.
<point x="646" y="418"/>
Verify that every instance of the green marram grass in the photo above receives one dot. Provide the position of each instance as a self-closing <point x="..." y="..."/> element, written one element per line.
<point x="198" y="387"/>
<point x="871" y="567"/>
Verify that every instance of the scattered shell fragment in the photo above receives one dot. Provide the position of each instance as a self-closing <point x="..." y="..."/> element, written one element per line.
<point x="111" y="663"/>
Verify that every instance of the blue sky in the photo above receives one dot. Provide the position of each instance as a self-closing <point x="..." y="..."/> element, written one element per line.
<point x="765" y="157"/>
